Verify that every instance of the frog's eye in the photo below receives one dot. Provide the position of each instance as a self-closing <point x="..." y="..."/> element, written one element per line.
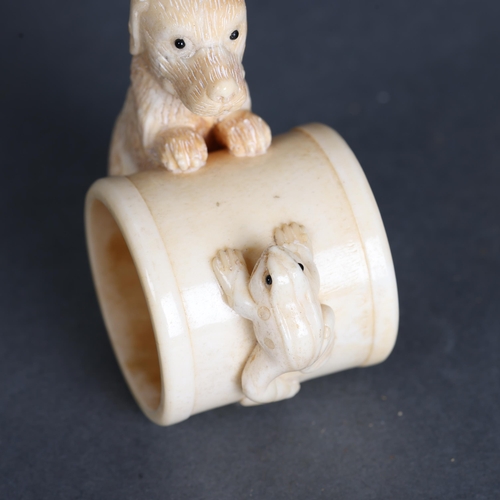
<point x="301" y="266"/>
<point x="269" y="280"/>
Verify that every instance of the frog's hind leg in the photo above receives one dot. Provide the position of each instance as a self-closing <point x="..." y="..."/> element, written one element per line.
<point x="264" y="381"/>
<point x="328" y="340"/>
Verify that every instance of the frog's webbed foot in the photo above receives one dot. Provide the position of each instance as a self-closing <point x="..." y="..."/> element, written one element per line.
<point x="264" y="381"/>
<point x="292" y="236"/>
<point x="232" y="274"/>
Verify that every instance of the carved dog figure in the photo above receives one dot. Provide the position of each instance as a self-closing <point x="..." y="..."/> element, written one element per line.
<point x="187" y="88"/>
<point x="295" y="333"/>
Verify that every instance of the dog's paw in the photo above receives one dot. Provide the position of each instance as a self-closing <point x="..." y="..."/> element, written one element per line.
<point x="244" y="134"/>
<point x="181" y="150"/>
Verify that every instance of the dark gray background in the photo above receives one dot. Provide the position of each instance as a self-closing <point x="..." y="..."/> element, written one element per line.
<point x="69" y="428"/>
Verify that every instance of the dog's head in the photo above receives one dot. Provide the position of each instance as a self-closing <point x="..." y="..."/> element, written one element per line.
<point x="194" y="49"/>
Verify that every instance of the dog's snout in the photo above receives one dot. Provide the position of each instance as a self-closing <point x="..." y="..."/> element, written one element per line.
<point x="222" y="90"/>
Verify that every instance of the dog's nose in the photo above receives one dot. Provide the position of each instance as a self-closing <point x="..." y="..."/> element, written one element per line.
<point x="222" y="90"/>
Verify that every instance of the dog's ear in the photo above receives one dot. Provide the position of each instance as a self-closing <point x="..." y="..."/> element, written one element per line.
<point x="137" y="8"/>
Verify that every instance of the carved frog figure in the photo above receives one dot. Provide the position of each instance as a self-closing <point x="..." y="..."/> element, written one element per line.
<point x="294" y="332"/>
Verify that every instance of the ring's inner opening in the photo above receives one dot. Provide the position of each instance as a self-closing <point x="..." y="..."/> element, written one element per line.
<point x="124" y="307"/>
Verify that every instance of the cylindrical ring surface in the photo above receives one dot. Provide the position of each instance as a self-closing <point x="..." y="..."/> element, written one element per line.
<point x="152" y="237"/>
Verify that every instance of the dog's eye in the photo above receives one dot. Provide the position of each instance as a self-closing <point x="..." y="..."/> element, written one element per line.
<point x="180" y="43"/>
<point x="234" y="35"/>
<point x="301" y="266"/>
<point x="269" y="280"/>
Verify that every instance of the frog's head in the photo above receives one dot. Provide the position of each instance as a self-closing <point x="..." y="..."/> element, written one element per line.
<point x="279" y="277"/>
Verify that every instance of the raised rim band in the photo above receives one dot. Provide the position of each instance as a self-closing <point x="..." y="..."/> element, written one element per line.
<point x="128" y="209"/>
<point x="373" y="236"/>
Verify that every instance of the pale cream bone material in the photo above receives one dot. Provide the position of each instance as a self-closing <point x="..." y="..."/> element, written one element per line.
<point x="188" y="91"/>
<point x="152" y="238"/>
<point x="294" y="332"/>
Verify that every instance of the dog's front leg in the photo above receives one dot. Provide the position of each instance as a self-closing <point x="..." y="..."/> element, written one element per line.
<point x="244" y="133"/>
<point x="180" y="149"/>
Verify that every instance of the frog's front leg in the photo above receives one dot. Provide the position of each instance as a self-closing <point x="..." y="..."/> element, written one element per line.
<point x="232" y="274"/>
<point x="265" y="381"/>
<point x="294" y="238"/>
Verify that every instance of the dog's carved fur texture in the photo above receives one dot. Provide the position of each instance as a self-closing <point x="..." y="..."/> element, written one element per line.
<point x="188" y="92"/>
